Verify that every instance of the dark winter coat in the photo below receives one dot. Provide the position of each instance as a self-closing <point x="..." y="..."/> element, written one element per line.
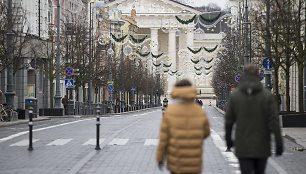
<point x="252" y="108"/>
<point x="183" y="129"/>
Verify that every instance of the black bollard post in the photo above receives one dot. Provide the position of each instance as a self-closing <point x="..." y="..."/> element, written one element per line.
<point x="30" y="128"/>
<point x="98" y="129"/>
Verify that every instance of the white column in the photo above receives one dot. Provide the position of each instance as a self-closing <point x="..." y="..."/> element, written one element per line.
<point x="190" y="35"/>
<point x="172" y="58"/>
<point x="154" y="45"/>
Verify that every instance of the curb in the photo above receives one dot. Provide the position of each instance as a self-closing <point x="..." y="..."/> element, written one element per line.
<point x="7" y="124"/>
<point x="43" y="118"/>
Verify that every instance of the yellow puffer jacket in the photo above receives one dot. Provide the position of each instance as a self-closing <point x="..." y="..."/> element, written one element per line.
<point x="184" y="127"/>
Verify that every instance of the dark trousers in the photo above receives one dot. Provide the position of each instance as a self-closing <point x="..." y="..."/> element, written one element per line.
<point x="252" y="165"/>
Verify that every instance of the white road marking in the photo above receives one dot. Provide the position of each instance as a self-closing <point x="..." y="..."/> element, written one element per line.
<point x="229" y="156"/>
<point x="25" y="132"/>
<point x="93" y="141"/>
<point x="59" y="142"/>
<point x="118" y="141"/>
<point x="24" y="142"/>
<point x="151" y="142"/>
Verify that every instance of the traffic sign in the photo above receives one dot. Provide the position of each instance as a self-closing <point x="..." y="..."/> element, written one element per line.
<point x="262" y="74"/>
<point x="110" y="82"/>
<point x="237" y="78"/>
<point x="69" y="83"/>
<point x="133" y="88"/>
<point x="267" y="63"/>
<point x="110" y="87"/>
<point x="122" y="90"/>
<point x="69" y="71"/>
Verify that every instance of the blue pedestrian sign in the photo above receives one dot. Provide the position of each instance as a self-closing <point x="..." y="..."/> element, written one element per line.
<point x="133" y="88"/>
<point x="110" y="87"/>
<point x="69" y="83"/>
<point x="69" y="71"/>
<point x="122" y="90"/>
<point x="267" y="63"/>
<point x="237" y="78"/>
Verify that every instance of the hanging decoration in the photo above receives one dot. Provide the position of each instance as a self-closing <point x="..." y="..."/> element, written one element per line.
<point x="127" y="50"/>
<point x="173" y="72"/>
<point x="118" y="39"/>
<point x="208" y="68"/>
<point x="198" y="73"/>
<point x="167" y="65"/>
<point x="208" y="61"/>
<point x="198" y="69"/>
<point x="157" y="56"/>
<point x="186" y="21"/>
<point x="207" y="73"/>
<point x="195" y="61"/>
<point x="142" y="54"/>
<point x="211" y="50"/>
<point x="156" y="65"/>
<point x="137" y="64"/>
<point x="138" y="40"/>
<point x="212" y="19"/>
<point x="200" y="23"/>
<point x="194" y="51"/>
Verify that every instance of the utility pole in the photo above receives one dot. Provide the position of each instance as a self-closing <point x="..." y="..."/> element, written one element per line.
<point x="246" y="35"/>
<point x="10" y="77"/>
<point x="268" y="44"/>
<point x="57" y="97"/>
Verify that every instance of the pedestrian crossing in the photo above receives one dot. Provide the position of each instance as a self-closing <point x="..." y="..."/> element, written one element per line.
<point x="89" y="142"/>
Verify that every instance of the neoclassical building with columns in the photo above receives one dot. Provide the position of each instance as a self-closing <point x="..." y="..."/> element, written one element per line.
<point x="159" y="20"/>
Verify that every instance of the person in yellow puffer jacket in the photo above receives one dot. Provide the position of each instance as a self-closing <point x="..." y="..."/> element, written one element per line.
<point x="184" y="127"/>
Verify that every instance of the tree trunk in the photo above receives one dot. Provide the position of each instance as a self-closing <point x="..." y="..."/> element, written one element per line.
<point x="287" y="72"/>
<point x="51" y="92"/>
<point x="300" y="87"/>
<point x="276" y="80"/>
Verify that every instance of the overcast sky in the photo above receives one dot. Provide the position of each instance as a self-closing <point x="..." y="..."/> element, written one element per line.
<point x="221" y="3"/>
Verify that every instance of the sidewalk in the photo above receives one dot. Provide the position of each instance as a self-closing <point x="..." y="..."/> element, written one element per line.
<point x="297" y="135"/>
<point x="42" y="118"/>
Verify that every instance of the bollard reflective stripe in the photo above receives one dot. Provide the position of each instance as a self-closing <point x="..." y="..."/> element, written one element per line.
<point x="30" y="123"/>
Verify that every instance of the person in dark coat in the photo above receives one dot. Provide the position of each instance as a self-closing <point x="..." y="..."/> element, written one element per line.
<point x="253" y="110"/>
<point x="65" y="103"/>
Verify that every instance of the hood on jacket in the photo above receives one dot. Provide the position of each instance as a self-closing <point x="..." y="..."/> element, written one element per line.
<point x="184" y="92"/>
<point x="250" y="84"/>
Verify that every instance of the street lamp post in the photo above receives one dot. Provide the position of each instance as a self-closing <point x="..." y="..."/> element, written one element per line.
<point x="57" y="97"/>
<point x="246" y="39"/>
<point x="90" y="58"/>
<point x="110" y="75"/>
<point x="10" y="77"/>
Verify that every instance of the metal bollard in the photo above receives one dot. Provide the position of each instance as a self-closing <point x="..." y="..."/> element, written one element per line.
<point x="98" y="129"/>
<point x="30" y="129"/>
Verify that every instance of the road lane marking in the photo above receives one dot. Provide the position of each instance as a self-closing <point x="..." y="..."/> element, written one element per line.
<point x="93" y="141"/>
<point x="59" y="142"/>
<point x="118" y="141"/>
<point x="24" y="142"/>
<point x="228" y="156"/>
<point x="25" y="132"/>
<point x="151" y="142"/>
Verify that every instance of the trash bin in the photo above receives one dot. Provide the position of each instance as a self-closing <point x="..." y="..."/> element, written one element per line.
<point x="31" y="102"/>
